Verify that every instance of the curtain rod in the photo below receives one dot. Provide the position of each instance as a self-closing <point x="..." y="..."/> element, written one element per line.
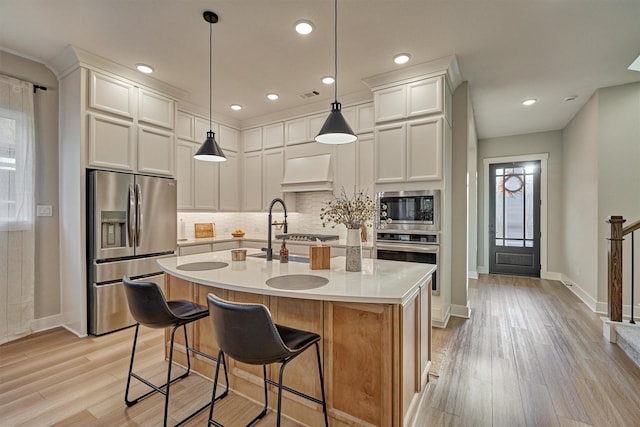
<point x="36" y="86"/>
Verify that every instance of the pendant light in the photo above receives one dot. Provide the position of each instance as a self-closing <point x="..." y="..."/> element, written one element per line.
<point x="336" y="130"/>
<point x="210" y="150"/>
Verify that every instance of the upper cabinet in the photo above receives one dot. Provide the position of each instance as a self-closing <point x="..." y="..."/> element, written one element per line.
<point x="252" y="140"/>
<point x="129" y="128"/>
<point x="228" y="138"/>
<point x="405" y="101"/>
<point x="273" y="136"/>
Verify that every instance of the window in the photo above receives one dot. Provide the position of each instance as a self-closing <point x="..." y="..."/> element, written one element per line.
<point x="16" y="155"/>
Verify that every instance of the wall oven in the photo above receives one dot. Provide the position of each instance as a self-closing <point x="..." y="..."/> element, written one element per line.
<point x="410" y="246"/>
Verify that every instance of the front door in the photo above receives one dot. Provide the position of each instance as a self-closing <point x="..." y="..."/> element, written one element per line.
<point x="514" y="218"/>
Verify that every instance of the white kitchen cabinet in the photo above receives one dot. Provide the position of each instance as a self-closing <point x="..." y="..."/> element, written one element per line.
<point x="228" y="138"/>
<point x="273" y="136"/>
<point x="111" y="95"/>
<point x="424" y="149"/>
<point x="364" y="120"/>
<point x="252" y="140"/>
<point x="272" y="175"/>
<point x="156" y="109"/>
<point x="201" y="127"/>
<point x="366" y="174"/>
<point x="346" y="167"/>
<point x="424" y="97"/>
<point x="252" y="182"/>
<point x="390" y="153"/>
<point x="156" y="149"/>
<point x="230" y="183"/>
<point x="419" y="98"/>
<point x="206" y="184"/>
<point x="111" y="142"/>
<point x="184" y="173"/>
<point x="317" y="120"/>
<point x="185" y="125"/>
<point x="409" y="151"/>
<point x="295" y="131"/>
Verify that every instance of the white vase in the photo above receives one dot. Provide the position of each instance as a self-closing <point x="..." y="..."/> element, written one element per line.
<point x="354" y="250"/>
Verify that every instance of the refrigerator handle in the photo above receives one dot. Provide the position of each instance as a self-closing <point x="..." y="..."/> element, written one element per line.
<point x="131" y="215"/>
<point x="138" y="214"/>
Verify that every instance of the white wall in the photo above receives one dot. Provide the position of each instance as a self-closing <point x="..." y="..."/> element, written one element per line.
<point x="47" y="283"/>
<point x="528" y="144"/>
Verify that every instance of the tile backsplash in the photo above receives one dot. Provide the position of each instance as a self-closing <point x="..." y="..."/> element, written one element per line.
<point x="305" y="219"/>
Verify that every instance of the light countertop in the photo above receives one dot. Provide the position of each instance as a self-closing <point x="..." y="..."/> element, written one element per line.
<point x="380" y="281"/>
<point x="220" y="239"/>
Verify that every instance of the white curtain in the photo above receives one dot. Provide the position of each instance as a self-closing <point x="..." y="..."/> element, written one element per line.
<point x="17" y="235"/>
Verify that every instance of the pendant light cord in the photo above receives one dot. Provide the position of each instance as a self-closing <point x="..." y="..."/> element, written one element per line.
<point x="210" y="72"/>
<point x="335" y="50"/>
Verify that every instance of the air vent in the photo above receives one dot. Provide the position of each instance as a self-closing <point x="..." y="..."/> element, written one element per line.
<point x="309" y="94"/>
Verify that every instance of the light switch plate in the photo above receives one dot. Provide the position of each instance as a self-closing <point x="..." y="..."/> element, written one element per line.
<point x="44" y="210"/>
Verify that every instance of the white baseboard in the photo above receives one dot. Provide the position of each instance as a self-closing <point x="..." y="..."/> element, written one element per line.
<point x="482" y="269"/>
<point x="580" y="293"/>
<point x="45" y="323"/>
<point x="463" y="311"/>
<point x="551" y="275"/>
<point x="472" y="274"/>
<point x="439" y="321"/>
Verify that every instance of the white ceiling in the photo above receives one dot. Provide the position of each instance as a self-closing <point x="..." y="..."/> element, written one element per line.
<point x="507" y="50"/>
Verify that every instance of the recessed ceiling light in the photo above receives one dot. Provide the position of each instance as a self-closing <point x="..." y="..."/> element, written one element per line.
<point x="570" y="98"/>
<point x="143" y="68"/>
<point x="272" y="96"/>
<point x="402" y="58"/>
<point x="529" y="101"/>
<point x="635" y="65"/>
<point x="236" y="107"/>
<point x="304" y="27"/>
<point x="328" y="80"/>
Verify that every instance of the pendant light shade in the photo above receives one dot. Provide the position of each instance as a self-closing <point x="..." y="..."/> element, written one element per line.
<point x="336" y="130"/>
<point x="210" y="150"/>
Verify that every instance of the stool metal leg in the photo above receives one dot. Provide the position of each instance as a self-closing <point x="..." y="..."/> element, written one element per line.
<point x="324" y="399"/>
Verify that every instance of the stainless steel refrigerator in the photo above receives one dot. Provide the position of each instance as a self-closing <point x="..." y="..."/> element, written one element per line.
<point x="131" y="223"/>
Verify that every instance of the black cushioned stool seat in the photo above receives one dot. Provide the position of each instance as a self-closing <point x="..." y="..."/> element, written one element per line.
<point x="149" y="307"/>
<point x="246" y="333"/>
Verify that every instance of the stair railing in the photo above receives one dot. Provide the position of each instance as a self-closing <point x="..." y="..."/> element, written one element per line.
<point x="614" y="281"/>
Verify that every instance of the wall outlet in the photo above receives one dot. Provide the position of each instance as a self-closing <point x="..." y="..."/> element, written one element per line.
<point x="44" y="210"/>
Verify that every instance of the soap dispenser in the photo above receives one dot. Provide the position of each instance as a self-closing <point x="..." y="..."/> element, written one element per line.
<point x="284" y="252"/>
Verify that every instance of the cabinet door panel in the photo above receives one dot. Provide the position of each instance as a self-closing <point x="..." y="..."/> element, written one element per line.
<point x="252" y="194"/>
<point x="111" y="143"/>
<point x="185" y="126"/>
<point x="201" y="129"/>
<point x="316" y="122"/>
<point x="252" y="140"/>
<point x="424" y="97"/>
<point x="272" y="174"/>
<point x="230" y="183"/>
<point x="155" y="151"/>
<point x="390" y="103"/>
<point x="366" y="175"/>
<point x="184" y="173"/>
<point x="273" y="135"/>
<point x="364" y="118"/>
<point x="111" y="95"/>
<point x="346" y="167"/>
<point x="206" y="183"/>
<point x="424" y="150"/>
<point x="156" y="109"/>
<point x="390" y="153"/>
<point x="296" y="131"/>
<point x="228" y="138"/>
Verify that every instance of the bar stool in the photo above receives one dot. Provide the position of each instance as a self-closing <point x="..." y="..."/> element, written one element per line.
<point x="246" y="333"/>
<point x="149" y="307"/>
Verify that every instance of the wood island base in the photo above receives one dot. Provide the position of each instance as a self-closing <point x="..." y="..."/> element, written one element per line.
<point x="376" y="356"/>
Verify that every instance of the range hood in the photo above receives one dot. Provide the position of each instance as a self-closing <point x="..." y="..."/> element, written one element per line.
<point x="311" y="173"/>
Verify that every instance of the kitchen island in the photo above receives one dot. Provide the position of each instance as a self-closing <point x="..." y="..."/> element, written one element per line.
<point x="375" y="325"/>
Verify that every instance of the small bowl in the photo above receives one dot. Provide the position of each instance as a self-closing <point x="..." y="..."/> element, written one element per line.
<point x="237" y="234"/>
<point x="238" y="254"/>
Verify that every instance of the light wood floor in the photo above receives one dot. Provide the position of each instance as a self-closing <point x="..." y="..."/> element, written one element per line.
<point x="532" y="354"/>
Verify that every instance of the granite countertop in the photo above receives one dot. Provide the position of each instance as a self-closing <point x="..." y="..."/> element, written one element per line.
<point x="380" y="281"/>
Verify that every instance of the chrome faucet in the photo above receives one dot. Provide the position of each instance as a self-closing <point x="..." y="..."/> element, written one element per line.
<point x="268" y="249"/>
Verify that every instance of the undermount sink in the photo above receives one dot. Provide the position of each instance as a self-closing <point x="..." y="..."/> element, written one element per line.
<point x="276" y="257"/>
<point x="201" y="266"/>
<point x="297" y="282"/>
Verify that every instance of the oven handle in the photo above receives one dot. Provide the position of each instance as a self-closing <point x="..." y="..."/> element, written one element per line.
<point x="407" y="248"/>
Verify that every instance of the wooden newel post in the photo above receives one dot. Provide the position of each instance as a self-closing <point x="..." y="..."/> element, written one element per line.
<point x="615" y="268"/>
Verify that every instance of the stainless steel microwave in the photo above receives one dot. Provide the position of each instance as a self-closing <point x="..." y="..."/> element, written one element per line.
<point x="409" y="210"/>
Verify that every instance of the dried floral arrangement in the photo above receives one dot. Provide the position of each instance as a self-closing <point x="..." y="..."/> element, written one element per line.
<point x="352" y="211"/>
